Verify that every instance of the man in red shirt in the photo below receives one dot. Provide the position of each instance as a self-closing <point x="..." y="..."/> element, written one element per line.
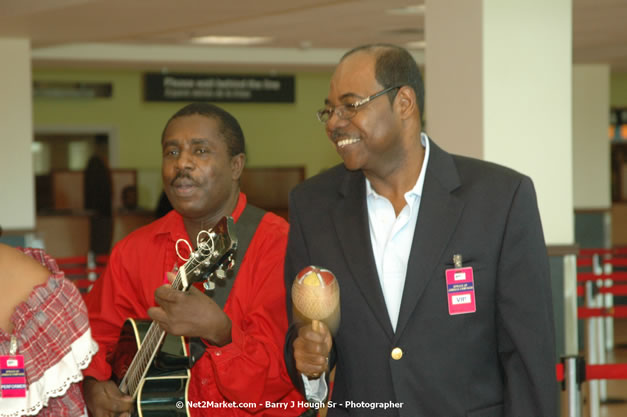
<point x="241" y="371"/>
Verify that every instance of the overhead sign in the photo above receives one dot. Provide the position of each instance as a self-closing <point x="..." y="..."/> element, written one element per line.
<point x="72" y="89"/>
<point x="218" y="88"/>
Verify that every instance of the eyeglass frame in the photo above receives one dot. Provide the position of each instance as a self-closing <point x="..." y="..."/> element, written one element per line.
<point x="353" y="106"/>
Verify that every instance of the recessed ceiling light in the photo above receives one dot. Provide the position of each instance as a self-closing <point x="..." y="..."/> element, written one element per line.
<point x="416" y="45"/>
<point x="230" y="40"/>
<point x="408" y="10"/>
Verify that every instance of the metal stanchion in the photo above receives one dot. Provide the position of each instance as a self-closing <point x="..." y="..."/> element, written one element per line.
<point x="573" y="377"/>
<point x="571" y="323"/>
<point x="91" y="263"/>
<point x="572" y="380"/>
<point x="592" y="345"/>
<point x="599" y="335"/>
<point x="607" y="233"/>
<point x="607" y="343"/>
<point x="601" y="355"/>
<point x="609" y="303"/>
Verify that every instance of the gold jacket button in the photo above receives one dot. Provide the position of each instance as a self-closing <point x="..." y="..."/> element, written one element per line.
<point x="397" y="353"/>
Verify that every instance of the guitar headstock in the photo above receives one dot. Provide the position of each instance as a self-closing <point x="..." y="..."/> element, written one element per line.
<point x="213" y="255"/>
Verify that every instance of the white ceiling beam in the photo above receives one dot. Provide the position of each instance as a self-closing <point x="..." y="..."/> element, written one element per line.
<point x="184" y="55"/>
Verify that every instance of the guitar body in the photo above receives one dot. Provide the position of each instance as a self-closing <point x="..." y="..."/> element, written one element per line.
<point x="167" y="379"/>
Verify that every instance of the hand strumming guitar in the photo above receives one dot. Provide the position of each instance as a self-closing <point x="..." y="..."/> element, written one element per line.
<point x="104" y="399"/>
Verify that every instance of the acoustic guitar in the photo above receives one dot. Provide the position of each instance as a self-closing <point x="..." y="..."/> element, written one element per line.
<point x="153" y="367"/>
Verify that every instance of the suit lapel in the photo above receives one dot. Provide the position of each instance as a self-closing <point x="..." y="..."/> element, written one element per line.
<point x="439" y="214"/>
<point x="351" y="223"/>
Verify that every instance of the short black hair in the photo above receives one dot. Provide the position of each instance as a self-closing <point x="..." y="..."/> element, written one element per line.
<point x="229" y="127"/>
<point x="394" y="66"/>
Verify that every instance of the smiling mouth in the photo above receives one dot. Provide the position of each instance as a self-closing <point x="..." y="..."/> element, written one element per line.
<point x="345" y="142"/>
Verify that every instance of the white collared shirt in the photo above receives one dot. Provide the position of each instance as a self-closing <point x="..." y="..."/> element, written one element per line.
<point x="392" y="236"/>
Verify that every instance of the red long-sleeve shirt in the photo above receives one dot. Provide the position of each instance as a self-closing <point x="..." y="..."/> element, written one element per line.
<point x="250" y="369"/>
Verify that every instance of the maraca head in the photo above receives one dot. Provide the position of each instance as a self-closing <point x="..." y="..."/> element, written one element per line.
<point x="315" y="276"/>
<point x="316" y="296"/>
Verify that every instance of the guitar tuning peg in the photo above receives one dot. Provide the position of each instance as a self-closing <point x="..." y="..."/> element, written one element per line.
<point x="220" y="273"/>
<point x="209" y="285"/>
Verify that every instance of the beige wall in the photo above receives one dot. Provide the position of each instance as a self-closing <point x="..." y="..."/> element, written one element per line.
<point x="276" y="134"/>
<point x="618" y="90"/>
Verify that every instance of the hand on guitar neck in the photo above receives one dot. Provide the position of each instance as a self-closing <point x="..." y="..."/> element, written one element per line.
<point x="104" y="399"/>
<point x="190" y="314"/>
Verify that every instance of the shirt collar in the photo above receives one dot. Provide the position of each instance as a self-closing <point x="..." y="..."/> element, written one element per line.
<point x="417" y="188"/>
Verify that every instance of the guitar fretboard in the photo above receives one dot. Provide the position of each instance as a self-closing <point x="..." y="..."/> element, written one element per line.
<point x="152" y="340"/>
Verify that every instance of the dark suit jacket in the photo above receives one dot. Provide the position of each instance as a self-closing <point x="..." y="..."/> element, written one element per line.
<point x="498" y="361"/>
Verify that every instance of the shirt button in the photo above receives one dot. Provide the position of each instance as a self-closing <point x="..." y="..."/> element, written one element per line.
<point x="397" y="353"/>
<point x="218" y="353"/>
<point x="204" y="381"/>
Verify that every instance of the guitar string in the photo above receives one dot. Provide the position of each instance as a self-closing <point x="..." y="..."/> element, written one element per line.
<point x="150" y="340"/>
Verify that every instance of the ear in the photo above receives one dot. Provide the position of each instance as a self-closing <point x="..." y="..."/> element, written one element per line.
<point x="237" y="166"/>
<point x="405" y="102"/>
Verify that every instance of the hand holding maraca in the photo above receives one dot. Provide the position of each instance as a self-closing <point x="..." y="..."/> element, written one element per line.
<point x="312" y="348"/>
<point x="316" y="302"/>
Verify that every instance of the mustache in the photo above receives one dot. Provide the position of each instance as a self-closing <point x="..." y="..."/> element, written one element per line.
<point x="183" y="175"/>
<point x="336" y="134"/>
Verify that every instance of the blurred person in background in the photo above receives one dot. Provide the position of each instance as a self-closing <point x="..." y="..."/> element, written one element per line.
<point x="98" y="192"/>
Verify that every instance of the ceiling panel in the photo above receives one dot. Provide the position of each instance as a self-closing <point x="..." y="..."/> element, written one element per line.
<point x="599" y="29"/>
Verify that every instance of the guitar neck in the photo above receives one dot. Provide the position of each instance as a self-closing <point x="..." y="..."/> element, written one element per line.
<point x="142" y="360"/>
<point x="149" y="346"/>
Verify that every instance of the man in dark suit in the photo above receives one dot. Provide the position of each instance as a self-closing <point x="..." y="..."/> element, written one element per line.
<point x="440" y="259"/>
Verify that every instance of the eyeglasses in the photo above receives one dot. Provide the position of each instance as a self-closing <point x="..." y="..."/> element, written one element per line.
<point x="347" y="111"/>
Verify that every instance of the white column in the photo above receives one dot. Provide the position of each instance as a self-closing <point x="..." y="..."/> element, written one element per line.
<point x="498" y="87"/>
<point x="591" y="145"/>
<point x="454" y="75"/>
<point x="17" y="189"/>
